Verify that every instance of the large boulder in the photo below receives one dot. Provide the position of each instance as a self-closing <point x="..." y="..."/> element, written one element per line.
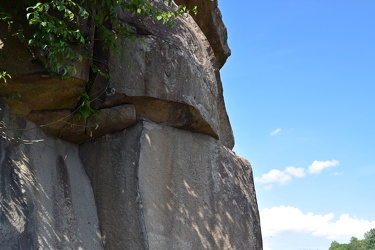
<point x="67" y="126"/>
<point x="210" y="21"/>
<point x="46" y="200"/>
<point x="25" y="94"/>
<point x="31" y="86"/>
<point x="20" y="60"/>
<point x="158" y="159"/>
<point x="173" y="64"/>
<point x="158" y="187"/>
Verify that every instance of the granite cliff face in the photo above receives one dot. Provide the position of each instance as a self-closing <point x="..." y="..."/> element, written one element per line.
<point x="154" y="170"/>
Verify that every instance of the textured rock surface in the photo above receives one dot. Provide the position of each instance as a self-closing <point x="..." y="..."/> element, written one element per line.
<point x="46" y="200"/>
<point x="15" y="57"/>
<point x="160" y="170"/>
<point x="67" y="126"/>
<point x="174" y="64"/>
<point x="18" y="60"/>
<point x="37" y="92"/>
<point x="112" y="164"/>
<point x="31" y="83"/>
<point x="171" y="189"/>
<point x="210" y="21"/>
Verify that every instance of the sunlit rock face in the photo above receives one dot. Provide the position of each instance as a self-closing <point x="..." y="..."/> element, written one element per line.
<point x="175" y="65"/>
<point x="153" y="170"/>
<point x="169" y="188"/>
<point x="210" y="22"/>
<point x="46" y="200"/>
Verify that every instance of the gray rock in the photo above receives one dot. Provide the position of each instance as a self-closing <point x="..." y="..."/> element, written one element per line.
<point x="37" y="92"/>
<point x="66" y="126"/>
<point x="174" y="64"/>
<point x="15" y="57"/>
<point x="165" y="188"/>
<point x="31" y="82"/>
<point x="111" y="163"/>
<point x="160" y="172"/>
<point x="20" y="61"/>
<point x="46" y="201"/>
<point x="211" y="23"/>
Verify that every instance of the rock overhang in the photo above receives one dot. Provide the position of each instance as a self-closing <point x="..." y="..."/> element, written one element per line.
<point x="176" y="65"/>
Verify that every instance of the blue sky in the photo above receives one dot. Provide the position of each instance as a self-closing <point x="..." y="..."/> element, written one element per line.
<point x="300" y="93"/>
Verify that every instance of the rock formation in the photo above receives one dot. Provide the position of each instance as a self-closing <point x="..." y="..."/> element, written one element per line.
<point x="154" y="169"/>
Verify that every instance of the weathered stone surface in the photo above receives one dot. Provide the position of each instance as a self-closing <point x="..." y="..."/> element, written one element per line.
<point x="166" y="179"/>
<point x="210" y="21"/>
<point x="15" y="57"/>
<point x="174" y="64"/>
<point x="65" y="124"/>
<point x="175" y="189"/>
<point x="32" y="88"/>
<point x="46" y="201"/>
<point x="18" y="60"/>
<point x="175" y="114"/>
<point x="111" y="163"/>
<point x="38" y="92"/>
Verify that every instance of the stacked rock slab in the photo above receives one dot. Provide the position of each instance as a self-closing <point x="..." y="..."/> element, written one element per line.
<point x="158" y="171"/>
<point x="158" y="187"/>
<point x="171" y="181"/>
<point x="174" y="65"/>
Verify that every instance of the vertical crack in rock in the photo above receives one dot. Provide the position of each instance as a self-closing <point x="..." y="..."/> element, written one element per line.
<point x="142" y="215"/>
<point x="142" y="221"/>
<point x="111" y="162"/>
<point x="63" y="203"/>
<point x="46" y="201"/>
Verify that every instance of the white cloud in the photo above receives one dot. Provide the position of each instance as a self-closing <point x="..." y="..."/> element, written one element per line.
<point x="345" y="227"/>
<point x="296" y="172"/>
<point x="276" y="220"/>
<point x="281" y="219"/>
<point x="317" y="166"/>
<point x="283" y="177"/>
<point x="280" y="177"/>
<point x="275" y="132"/>
<point x="274" y="176"/>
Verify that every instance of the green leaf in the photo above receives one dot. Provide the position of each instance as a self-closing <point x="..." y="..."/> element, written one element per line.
<point x="61" y="7"/>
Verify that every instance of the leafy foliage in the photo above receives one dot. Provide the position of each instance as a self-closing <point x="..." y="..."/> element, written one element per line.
<point x="61" y="32"/>
<point x="4" y="75"/>
<point x="55" y="35"/>
<point x="57" y="29"/>
<point x="368" y="243"/>
<point x="370" y="239"/>
<point x="85" y="110"/>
